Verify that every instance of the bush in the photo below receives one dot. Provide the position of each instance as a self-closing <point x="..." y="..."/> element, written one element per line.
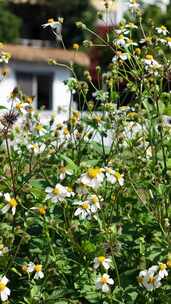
<point x="85" y="205"/>
<point x="9" y="25"/>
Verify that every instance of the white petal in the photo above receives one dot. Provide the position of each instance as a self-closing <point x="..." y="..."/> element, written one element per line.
<point x="7" y="197"/>
<point x="78" y="212"/>
<point x="4" y="280"/>
<point x="105" y="288"/>
<point x="98" y="285"/>
<point x="13" y="210"/>
<point x="30" y="267"/>
<point x="5" y="209"/>
<point x="106" y="265"/>
<point x="5" y="293"/>
<point x="41" y="274"/>
<point x="49" y="190"/>
<point x="111" y="281"/>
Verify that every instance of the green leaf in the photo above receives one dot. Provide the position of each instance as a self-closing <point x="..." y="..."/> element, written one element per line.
<point x="70" y="163"/>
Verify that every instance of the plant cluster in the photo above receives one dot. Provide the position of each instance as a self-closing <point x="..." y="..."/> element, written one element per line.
<point x="85" y="204"/>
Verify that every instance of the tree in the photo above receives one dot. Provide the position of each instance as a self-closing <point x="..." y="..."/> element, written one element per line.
<point x="9" y="24"/>
<point x="71" y="11"/>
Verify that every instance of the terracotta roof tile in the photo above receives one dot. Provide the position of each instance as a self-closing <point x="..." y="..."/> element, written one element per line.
<point x="43" y="54"/>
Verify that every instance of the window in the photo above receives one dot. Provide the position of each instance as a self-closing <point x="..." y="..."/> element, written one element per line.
<point x="38" y="85"/>
<point x="44" y="91"/>
<point x="25" y="82"/>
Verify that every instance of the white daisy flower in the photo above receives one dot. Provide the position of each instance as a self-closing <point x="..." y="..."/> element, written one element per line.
<point x="37" y="268"/>
<point x="94" y="203"/>
<point x="110" y="175"/>
<point x="4" y="290"/>
<point x="37" y="148"/>
<point x="56" y="26"/>
<point x="121" y="56"/>
<point x="168" y="41"/>
<point x="121" y="40"/>
<point x="11" y="203"/>
<point x="130" y="42"/>
<point x="92" y="178"/>
<point x="131" y="25"/>
<point x="150" y="62"/>
<point x="162" y="270"/>
<point x="119" y="178"/>
<point x="162" y="30"/>
<point x="22" y="107"/>
<point x="38" y="272"/>
<point x="40" y="129"/>
<point x="102" y="260"/>
<point x="149" y="278"/>
<point x="83" y="211"/>
<point x="64" y="171"/>
<point x="3" y="250"/>
<point x="113" y="176"/>
<point x="104" y="282"/>
<point x="56" y="194"/>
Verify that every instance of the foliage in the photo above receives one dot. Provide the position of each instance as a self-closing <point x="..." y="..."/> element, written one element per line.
<point x="9" y="24"/>
<point x="85" y="205"/>
<point x="41" y="12"/>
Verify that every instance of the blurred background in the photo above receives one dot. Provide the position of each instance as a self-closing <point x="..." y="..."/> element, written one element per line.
<point x="31" y="46"/>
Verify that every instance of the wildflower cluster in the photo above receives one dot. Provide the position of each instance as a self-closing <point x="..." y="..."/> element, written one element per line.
<point x="85" y="203"/>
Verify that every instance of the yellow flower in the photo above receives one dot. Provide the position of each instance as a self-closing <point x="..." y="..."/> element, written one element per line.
<point x="42" y="210"/>
<point x="76" y="46"/>
<point x="93" y="172"/>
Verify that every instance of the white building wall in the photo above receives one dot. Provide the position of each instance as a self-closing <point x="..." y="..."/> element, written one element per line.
<point x="6" y="87"/>
<point x="61" y="96"/>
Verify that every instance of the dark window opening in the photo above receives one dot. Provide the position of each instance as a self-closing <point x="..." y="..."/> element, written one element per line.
<point x="44" y="91"/>
<point x="38" y="85"/>
<point x="25" y="82"/>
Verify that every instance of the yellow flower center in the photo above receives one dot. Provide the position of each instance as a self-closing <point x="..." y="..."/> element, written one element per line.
<point x="162" y="266"/>
<point x="121" y="37"/>
<point x="69" y="189"/>
<point x="76" y="46"/>
<point x="97" y="118"/>
<point x="101" y="259"/>
<point x="38" y="267"/>
<point x="42" y="210"/>
<point x="51" y="20"/>
<point x="94" y="199"/>
<point x="169" y="263"/>
<point x="39" y="127"/>
<point x="163" y="27"/>
<point x="66" y="131"/>
<point x="103" y="280"/>
<point x="149" y="57"/>
<point x="34" y="146"/>
<point x="2" y="286"/>
<point x="13" y="202"/>
<point x="19" y="106"/>
<point x="117" y="175"/>
<point x="29" y="100"/>
<point x="93" y="172"/>
<point x="1" y="246"/>
<point x="24" y="268"/>
<point x="151" y="280"/>
<point x="56" y="191"/>
<point x="140" y="280"/>
<point x="169" y="39"/>
<point x="85" y="205"/>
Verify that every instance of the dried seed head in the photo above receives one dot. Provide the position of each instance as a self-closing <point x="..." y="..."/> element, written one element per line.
<point x="8" y="119"/>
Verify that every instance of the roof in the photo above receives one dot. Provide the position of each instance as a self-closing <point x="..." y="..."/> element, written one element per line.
<point x="43" y="54"/>
<point x="28" y="1"/>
